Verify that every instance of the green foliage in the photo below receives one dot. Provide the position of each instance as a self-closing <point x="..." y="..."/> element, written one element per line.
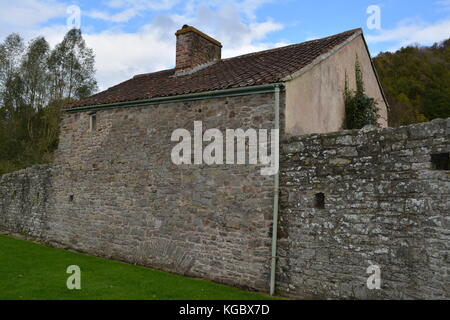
<point x="35" y="83"/>
<point x="416" y="81"/>
<point x="360" y="109"/>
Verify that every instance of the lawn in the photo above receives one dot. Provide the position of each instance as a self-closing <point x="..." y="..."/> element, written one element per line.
<point x="32" y="271"/>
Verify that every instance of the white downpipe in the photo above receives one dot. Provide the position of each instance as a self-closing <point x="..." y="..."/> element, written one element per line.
<point x="275" y="199"/>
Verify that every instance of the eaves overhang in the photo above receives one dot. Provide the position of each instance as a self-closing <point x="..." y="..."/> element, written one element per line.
<point x="258" y="89"/>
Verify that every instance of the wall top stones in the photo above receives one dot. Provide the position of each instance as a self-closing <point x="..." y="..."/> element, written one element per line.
<point x="414" y="131"/>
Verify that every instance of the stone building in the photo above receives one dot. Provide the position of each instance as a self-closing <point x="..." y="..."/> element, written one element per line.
<point x="311" y="76"/>
<point x="133" y="203"/>
<point x="113" y="190"/>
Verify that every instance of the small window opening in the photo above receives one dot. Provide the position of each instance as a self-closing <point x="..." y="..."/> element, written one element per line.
<point x="441" y="161"/>
<point x="93" y="122"/>
<point x="319" y="201"/>
<point x="71" y="198"/>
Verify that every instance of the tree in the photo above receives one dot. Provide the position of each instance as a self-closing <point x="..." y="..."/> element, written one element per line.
<point x="34" y="73"/>
<point x="416" y="81"/>
<point x="11" y="52"/>
<point x="72" y="69"/>
<point x="360" y="109"/>
<point x="35" y="82"/>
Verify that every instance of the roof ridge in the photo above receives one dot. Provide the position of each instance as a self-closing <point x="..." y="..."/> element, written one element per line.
<point x="352" y="31"/>
<point x="239" y="71"/>
<point x="259" y="52"/>
<point x="255" y="53"/>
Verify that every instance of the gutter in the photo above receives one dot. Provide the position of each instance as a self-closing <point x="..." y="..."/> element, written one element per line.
<point x="276" y="192"/>
<point x="265" y="88"/>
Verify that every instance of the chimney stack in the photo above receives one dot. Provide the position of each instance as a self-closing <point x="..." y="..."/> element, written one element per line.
<point x="194" y="49"/>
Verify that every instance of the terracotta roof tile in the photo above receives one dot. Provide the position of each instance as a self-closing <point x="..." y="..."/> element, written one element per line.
<point x="265" y="67"/>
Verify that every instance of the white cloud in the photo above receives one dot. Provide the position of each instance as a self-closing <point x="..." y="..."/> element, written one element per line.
<point x="53" y="34"/>
<point x="249" y="48"/>
<point x="249" y="7"/>
<point x="122" y="16"/>
<point x="115" y="3"/>
<point x="144" y="4"/>
<point x="226" y="24"/>
<point x="152" y="48"/>
<point x="310" y="38"/>
<point x="409" y="33"/>
<point x="131" y="9"/>
<point x="445" y="3"/>
<point x="18" y="15"/>
<point x="120" y="55"/>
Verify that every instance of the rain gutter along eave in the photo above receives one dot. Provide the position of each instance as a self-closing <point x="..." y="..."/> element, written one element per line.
<point x="258" y="89"/>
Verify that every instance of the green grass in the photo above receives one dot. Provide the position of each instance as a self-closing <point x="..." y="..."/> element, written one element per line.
<point x="32" y="271"/>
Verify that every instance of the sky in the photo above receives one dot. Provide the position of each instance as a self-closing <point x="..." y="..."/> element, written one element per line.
<point x="131" y="37"/>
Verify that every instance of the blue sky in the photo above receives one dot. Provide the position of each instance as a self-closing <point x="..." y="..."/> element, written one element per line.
<point x="137" y="36"/>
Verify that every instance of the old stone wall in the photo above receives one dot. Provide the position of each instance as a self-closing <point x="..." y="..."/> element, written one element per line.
<point x="118" y="194"/>
<point x="349" y="200"/>
<point x="24" y="201"/>
<point x="353" y="199"/>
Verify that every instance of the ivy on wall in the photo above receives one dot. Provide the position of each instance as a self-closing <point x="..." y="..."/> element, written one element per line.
<point x="360" y="109"/>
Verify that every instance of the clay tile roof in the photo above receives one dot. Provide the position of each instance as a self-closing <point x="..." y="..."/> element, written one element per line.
<point x="265" y="67"/>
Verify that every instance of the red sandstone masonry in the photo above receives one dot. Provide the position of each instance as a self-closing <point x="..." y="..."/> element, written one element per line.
<point x="194" y="49"/>
<point x="384" y="203"/>
<point x="131" y="203"/>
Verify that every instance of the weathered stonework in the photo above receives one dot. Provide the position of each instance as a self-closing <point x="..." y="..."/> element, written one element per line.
<point x="384" y="205"/>
<point x="24" y="202"/>
<point x="130" y="202"/>
<point x="194" y="49"/>
<point x="115" y="193"/>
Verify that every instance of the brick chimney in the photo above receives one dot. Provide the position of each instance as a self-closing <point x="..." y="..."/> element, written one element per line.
<point x="194" y="49"/>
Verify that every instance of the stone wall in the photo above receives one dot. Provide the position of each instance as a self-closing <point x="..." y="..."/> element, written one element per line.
<point x="384" y="204"/>
<point x="24" y="201"/>
<point x="118" y="194"/>
<point x="115" y="193"/>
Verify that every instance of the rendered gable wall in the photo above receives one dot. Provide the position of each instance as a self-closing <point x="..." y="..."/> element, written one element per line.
<point x="314" y="100"/>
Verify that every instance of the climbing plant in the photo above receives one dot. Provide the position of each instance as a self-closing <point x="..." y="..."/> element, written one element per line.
<point x="360" y="109"/>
